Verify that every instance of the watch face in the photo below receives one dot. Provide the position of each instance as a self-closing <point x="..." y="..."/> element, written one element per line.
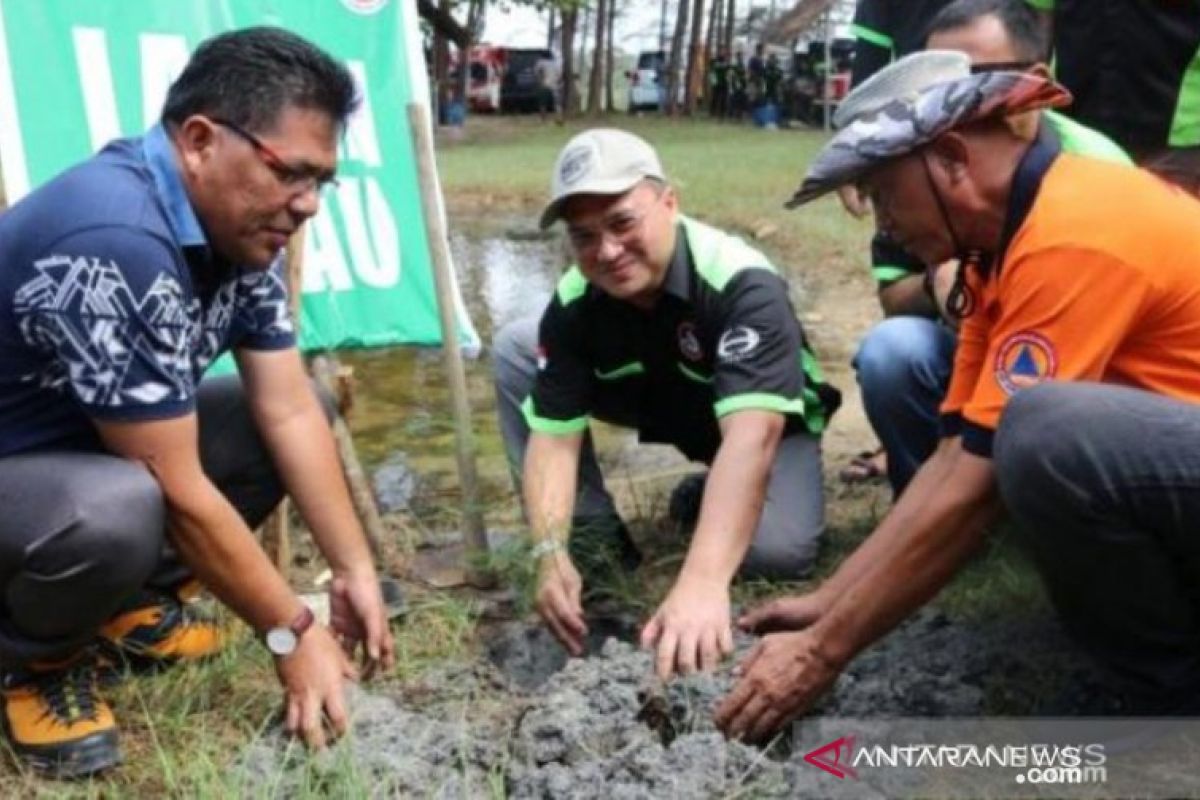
<point x="281" y="641"/>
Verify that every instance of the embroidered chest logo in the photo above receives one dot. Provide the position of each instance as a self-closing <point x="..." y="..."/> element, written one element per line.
<point x="1025" y="359"/>
<point x="689" y="342"/>
<point x="736" y="343"/>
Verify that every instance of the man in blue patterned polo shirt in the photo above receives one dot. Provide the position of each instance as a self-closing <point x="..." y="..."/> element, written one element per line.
<point x="124" y="478"/>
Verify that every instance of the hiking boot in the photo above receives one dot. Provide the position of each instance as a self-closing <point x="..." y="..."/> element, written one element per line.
<point x="157" y="630"/>
<point x="56" y="721"/>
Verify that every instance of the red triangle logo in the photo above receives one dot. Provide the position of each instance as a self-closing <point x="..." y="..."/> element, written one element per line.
<point x="828" y="757"/>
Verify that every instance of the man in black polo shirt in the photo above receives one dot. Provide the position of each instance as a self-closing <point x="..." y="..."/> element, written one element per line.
<point x="1133" y="69"/>
<point x="687" y="334"/>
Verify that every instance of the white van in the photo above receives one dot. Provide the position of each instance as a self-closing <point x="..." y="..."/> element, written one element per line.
<point x="645" y="91"/>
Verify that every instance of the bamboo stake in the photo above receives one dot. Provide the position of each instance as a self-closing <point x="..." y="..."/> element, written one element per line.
<point x="391" y="561"/>
<point x="464" y="438"/>
<point x="277" y="535"/>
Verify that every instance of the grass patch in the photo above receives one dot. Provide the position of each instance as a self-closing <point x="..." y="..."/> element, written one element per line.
<point x="181" y="729"/>
<point x="735" y="176"/>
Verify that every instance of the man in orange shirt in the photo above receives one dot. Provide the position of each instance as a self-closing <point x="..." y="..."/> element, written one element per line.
<point x="1075" y="398"/>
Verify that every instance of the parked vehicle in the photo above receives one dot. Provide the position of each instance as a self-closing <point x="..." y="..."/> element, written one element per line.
<point x="520" y="86"/>
<point x="646" y="92"/>
<point x="485" y="75"/>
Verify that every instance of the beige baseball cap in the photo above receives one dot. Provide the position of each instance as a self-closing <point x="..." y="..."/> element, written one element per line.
<point x="599" y="161"/>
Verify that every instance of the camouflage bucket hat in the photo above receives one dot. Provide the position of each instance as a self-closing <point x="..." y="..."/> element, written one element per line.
<point x="912" y="102"/>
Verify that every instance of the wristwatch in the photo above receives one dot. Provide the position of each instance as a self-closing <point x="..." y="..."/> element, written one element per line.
<point x="282" y="640"/>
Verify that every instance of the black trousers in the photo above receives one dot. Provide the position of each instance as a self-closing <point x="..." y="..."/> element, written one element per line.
<point x="1105" y="483"/>
<point x="80" y="533"/>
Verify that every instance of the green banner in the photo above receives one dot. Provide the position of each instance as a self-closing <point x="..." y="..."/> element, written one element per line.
<point x="75" y="74"/>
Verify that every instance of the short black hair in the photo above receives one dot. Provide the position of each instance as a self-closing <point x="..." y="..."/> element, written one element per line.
<point x="1019" y="21"/>
<point x="249" y="76"/>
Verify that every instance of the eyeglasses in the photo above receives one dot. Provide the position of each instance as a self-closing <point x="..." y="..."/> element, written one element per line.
<point x="298" y="180"/>
<point x="621" y="226"/>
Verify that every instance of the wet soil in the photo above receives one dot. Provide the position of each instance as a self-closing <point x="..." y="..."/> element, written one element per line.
<point x="524" y="721"/>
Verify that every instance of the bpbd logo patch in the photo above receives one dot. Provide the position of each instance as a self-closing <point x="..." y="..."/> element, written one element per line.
<point x="1025" y="359"/>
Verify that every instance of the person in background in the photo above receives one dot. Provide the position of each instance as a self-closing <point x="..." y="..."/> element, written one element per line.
<point x="1134" y="72"/>
<point x="904" y="362"/>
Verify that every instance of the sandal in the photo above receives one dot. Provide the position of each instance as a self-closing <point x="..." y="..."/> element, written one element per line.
<point x="869" y="466"/>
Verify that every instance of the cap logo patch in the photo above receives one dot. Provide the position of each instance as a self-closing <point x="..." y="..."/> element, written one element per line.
<point x="689" y="343"/>
<point x="1025" y="359"/>
<point x="736" y="343"/>
<point x="576" y="163"/>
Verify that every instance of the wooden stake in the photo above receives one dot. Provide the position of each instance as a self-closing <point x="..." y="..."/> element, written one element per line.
<point x="439" y="251"/>
<point x="277" y="535"/>
<point x="391" y="561"/>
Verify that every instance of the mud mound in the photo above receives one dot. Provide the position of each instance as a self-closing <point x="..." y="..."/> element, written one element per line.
<point x="545" y="727"/>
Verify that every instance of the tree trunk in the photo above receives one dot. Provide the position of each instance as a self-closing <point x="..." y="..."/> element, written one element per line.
<point x="567" y="41"/>
<point x="712" y="41"/>
<point x="582" y="29"/>
<point x="596" y="79"/>
<point x="673" y="61"/>
<point x="550" y="30"/>
<point x="441" y="67"/>
<point x="731" y="10"/>
<point x="691" y="88"/>
<point x="609" y="63"/>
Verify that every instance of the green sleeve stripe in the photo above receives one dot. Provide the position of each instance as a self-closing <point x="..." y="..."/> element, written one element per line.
<point x="874" y="37"/>
<point x="762" y="402"/>
<point x="690" y="375"/>
<point x="814" y="412"/>
<point x="554" y="427"/>
<point x="1185" y="127"/>
<point x="571" y="286"/>
<point x="1082" y="140"/>
<point x="632" y="368"/>
<point x="1041" y="5"/>
<point x="810" y="367"/>
<point x="887" y="273"/>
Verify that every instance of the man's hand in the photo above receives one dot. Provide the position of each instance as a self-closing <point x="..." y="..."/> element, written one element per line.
<point x="780" y="679"/>
<point x="784" y="614"/>
<point x="313" y="679"/>
<point x="691" y="629"/>
<point x="853" y="201"/>
<point x="558" y="601"/>
<point x="357" y="616"/>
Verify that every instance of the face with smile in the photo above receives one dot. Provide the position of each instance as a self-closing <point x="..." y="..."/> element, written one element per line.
<point x="624" y="242"/>
<point x="253" y="190"/>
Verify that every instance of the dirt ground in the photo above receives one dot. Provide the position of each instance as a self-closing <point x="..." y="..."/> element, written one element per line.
<point x="524" y="722"/>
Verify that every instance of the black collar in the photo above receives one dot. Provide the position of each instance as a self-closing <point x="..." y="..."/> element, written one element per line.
<point x="1026" y="182"/>
<point x="678" y="281"/>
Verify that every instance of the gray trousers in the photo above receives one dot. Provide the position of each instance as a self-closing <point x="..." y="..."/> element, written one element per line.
<point x="83" y="532"/>
<point x="793" y="516"/>
<point x="1105" y="483"/>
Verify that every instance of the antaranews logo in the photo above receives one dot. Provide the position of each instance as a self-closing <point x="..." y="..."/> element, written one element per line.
<point x="829" y="757"/>
<point x="1037" y="763"/>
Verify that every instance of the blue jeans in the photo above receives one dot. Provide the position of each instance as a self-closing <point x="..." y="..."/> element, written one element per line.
<point x="904" y="366"/>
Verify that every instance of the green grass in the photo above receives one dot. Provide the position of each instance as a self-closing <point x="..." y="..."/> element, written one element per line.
<point x="181" y="729"/>
<point x="734" y="175"/>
